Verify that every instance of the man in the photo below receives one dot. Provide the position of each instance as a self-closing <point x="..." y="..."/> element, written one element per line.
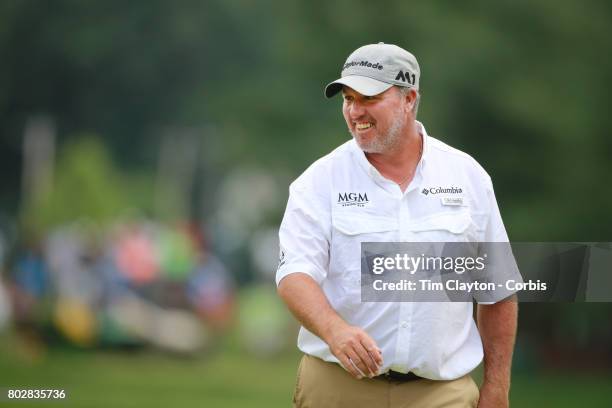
<point x="390" y="183"/>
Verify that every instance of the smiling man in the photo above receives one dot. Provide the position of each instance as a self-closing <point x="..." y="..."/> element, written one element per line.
<point x="391" y="183"/>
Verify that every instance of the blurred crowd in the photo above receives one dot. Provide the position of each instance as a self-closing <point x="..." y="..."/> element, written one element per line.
<point x="133" y="283"/>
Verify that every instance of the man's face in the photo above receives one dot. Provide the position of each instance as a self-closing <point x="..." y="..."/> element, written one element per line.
<point x="375" y="122"/>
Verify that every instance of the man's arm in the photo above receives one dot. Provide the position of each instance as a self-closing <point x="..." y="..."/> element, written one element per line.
<point x="497" y="326"/>
<point x="350" y="344"/>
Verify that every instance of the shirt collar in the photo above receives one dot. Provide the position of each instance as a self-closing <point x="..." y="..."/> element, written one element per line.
<point x="425" y="136"/>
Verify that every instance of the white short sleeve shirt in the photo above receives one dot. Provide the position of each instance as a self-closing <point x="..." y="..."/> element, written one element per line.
<point x="342" y="200"/>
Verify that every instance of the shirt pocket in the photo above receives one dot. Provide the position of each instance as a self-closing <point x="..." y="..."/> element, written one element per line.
<point x="349" y="231"/>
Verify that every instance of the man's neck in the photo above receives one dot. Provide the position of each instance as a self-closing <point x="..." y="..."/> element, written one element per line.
<point x="399" y="164"/>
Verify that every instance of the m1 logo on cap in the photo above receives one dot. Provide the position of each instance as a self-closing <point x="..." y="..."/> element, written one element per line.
<point x="405" y="78"/>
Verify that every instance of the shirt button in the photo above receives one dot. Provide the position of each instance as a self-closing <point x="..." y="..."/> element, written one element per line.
<point x="404" y="325"/>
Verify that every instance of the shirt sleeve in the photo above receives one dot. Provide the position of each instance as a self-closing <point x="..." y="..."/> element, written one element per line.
<point x="501" y="266"/>
<point x="304" y="236"/>
<point x="495" y="230"/>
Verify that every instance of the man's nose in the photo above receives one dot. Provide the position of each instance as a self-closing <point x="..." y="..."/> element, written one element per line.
<point x="356" y="110"/>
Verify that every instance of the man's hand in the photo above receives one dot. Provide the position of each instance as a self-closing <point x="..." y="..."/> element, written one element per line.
<point x="355" y="349"/>
<point x="493" y="396"/>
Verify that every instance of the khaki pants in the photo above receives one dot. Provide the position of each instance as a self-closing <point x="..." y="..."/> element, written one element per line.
<point x="321" y="385"/>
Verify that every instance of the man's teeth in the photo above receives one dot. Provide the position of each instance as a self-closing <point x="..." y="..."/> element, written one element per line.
<point x="363" y="126"/>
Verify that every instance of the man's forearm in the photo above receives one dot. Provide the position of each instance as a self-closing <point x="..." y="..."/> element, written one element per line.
<point x="353" y="347"/>
<point x="497" y="325"/>
<point x="307" y="302"/>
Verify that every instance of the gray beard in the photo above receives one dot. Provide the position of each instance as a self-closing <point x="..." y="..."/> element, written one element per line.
<point x="384" y="143"/>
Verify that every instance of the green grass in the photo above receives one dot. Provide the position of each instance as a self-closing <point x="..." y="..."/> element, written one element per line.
<point x="229" y="378"/>
<point x="556" y="390"/>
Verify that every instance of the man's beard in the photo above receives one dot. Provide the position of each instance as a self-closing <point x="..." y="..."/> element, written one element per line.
<point x="383" y="143"/>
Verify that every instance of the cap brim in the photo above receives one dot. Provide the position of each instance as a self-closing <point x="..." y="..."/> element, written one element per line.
<point x="364" y="85"/>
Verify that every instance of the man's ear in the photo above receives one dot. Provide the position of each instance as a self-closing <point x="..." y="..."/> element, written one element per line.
<point x="410" y="98"/>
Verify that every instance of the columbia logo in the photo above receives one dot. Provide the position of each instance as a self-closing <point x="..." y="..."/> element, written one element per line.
<point x="442" y="190"/>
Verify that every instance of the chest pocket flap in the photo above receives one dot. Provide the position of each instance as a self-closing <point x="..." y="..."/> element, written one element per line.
<point x="456" y="223"/>
<point x="356" y="224"/>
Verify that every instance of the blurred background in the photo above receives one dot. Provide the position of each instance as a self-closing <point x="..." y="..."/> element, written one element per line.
<point x="146" y="150"/>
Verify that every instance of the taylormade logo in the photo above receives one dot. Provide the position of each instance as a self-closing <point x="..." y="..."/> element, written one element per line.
<point x="442" y="190"/>
<point x="350" y="199"/>
<point x="366" y="64"/>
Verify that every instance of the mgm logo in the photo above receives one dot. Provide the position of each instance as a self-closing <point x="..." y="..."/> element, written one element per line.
<point x="353" y="199"/>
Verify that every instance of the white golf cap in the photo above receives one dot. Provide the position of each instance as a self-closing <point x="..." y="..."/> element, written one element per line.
<point x="374" y="68"/>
